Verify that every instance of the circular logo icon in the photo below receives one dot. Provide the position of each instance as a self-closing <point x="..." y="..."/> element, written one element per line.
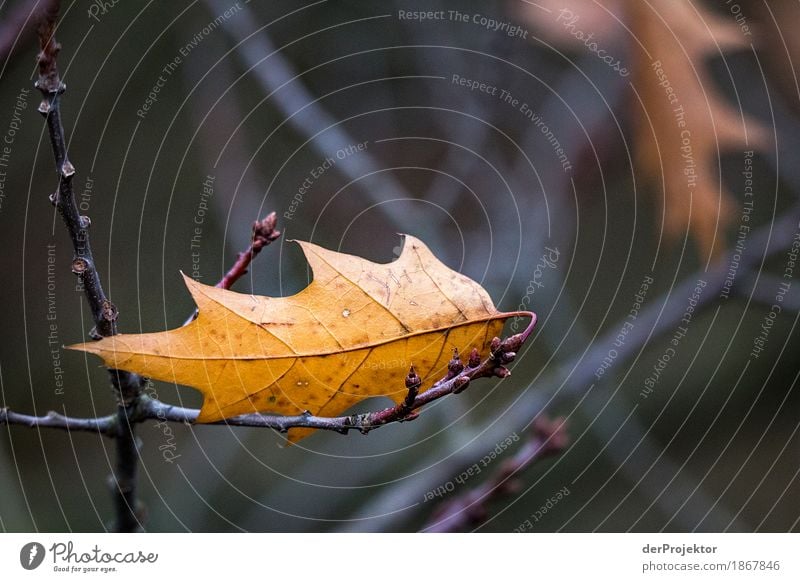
<point x="31" y="555"/>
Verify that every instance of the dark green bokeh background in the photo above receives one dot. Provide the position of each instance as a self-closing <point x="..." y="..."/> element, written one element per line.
<point x="708" y="450"/>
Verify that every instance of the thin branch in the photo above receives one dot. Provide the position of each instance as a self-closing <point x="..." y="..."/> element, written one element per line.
<point x="264" y="233"/>
<point x="457" y="380"/>
<point x="20" y="20"/>
<point x="104" y="312"/>
<point x="547" y="438"/>
<point x="127" y="386"/>
<point x="106" y="425"/>
<point x="761" y="286"/>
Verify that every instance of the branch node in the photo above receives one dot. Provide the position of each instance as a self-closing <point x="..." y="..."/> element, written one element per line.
<point x="460" y="384"/>
<point x="413" y="382"/>
<point x="110" y="312"/>
<point x="79" y="265"/>
<point x="67" y="169"/>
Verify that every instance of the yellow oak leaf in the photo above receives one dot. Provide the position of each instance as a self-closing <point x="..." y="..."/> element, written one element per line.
<point x="351" y="334"/>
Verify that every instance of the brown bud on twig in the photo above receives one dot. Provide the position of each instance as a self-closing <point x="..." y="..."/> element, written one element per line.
<point x="552" y="433"/>
<point x="502" y="372"/>
<point x="513" y="343"/>
<point x="264" y="230"/>
<point x="494" y="348"/>
<point x="507" y="357"/>
<point x="413" y="382"/>
<point x="455" y="366"/>
<point x="474" y="358"/>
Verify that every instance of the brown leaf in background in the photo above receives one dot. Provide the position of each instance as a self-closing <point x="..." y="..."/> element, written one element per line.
<point x="680" y="135"/>
<point x="351" y="334"/>
<point x="560" y="22"/>
<point x="775" y="34"/>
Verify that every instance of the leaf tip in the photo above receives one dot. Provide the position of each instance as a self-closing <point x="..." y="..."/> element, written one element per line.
<point x="81" y="347"/>
<point x="195" y="288"/>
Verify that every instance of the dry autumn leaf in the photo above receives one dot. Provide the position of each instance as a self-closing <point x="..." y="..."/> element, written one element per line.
<point x="684" y="124"/>
<point x="351" y="334"/>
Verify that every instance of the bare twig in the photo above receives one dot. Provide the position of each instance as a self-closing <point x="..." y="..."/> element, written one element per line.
<point x="18" y="23"/>
<point x="264" y="233"/>
<point x="127" y="386"/>
<point x="502" y="353"/>
<point x="106" y="425"/>
<point x="548" y="438"/>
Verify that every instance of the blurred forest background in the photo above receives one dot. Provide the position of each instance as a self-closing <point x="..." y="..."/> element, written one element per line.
<point x="536" y="147"/>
